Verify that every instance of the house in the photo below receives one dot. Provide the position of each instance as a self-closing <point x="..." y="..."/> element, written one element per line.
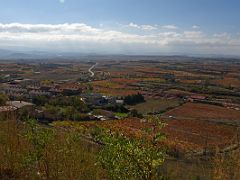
<point x="193" y="98"/>
<point x="15" y="89"/>
<point x="94" y="99"/>
<point x="34" y="93"/>
<point x="46" y="87"/>
<point x="33" y="87"/>
<point x="110" y="100"/>
<point x="70" y="88"/>
<point x="20" y="104"/>
<point x="55" y="91"/>
<point x="13" y="107"/>
<point x="5" y="109"/>
<point x="23" y="82"/>
<point x="119" y="101"/>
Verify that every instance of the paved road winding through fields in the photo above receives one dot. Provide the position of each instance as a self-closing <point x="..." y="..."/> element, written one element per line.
<point x="90" y="70"/>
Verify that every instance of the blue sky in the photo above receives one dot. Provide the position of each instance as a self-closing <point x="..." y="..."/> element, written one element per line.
<point x="151" y="26"/>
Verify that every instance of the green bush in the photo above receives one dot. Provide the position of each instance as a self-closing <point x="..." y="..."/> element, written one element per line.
<point x="3" y="99"/>
<point x="131" y="158"/>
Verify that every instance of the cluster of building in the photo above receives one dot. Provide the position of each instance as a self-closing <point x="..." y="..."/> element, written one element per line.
<point x="28" y="89"/>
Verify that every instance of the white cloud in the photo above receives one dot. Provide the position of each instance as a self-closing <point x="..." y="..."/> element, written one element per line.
<point x="223" y="35"/>
<point x="195" y="27"/>
<point x="151" y="27"/>
<point x="134" y="25"/>
<point x="47" y="28"/>
<point x="148" y="27"/>
<point x="193" y="34"/>
<point x="169" y="27"/>
<point x="142" y="27"/>
<point x="84" y="38"/>
<point x="62" y="1"/>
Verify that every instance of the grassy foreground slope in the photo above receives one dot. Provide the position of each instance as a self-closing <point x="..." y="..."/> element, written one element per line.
<point x="31" y="151"/>
<point x="28" y="151"/>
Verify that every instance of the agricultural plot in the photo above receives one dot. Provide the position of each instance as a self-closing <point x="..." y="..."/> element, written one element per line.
<point x="183" y="136"/>
<point x="205" y="112"/>
<point x="195" y="136"/>
<point x="153" y="106"/>
<point x="228" y="82"/>
<point x="115" y="87"/>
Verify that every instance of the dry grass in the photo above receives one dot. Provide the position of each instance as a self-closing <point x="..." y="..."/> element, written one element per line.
<point x="227" y="166"/>
<point x="65" y="156"/>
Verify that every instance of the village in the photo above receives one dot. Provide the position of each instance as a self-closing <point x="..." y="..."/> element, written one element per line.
<point x="25" y="94"/>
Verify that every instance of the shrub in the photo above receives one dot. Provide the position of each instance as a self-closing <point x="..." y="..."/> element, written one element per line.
<point x="131" y="158"/>
<point x="3" y="99"/>
<point x="134" y="99"/>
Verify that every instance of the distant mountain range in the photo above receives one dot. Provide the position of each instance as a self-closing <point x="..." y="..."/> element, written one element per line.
<point x="9" y="54"/>
<point x="38" y="55"/>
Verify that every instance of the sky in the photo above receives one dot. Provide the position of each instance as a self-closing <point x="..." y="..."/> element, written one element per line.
<point x="149" y="27"/>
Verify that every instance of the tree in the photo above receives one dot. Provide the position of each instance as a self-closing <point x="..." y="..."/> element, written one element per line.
<point x="134" y="99"/>
<point x="69" y="112"/>
<point x="3" y="99"/>
<point x="75" y="102"/>
<point x="131" y="158"/>
<point x="52" y="112"/>
<point x="40" y="100"/>
<point x="135" y="113"/>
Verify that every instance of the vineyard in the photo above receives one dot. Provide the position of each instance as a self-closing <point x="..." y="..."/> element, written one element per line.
<point x="205" y="112"/>
<point x="185" y="136"/>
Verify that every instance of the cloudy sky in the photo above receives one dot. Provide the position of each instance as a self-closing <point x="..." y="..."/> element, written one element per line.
<point x="122" y="26"/>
